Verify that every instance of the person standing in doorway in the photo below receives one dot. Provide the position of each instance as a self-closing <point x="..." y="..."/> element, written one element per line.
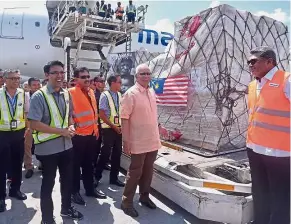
<point x="141" y="139"/>
<point x="50" y="115"/>
<point x="268" y="137"/>
<point x="109" y="106"/>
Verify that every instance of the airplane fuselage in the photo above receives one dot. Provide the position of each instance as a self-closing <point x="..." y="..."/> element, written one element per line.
<point x="25" y="41"/>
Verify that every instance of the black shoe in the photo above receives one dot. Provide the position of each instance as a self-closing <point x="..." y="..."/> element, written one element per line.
<point x="72" y="213"/>
<point x="18" y="195"/>
<point x="117" y="183"/>
<point x="107" y="166"/>
<point x="28" y="174"/>
<point x="50" y="222"/>
<point x="129" y="211"/>
<point x="2" y="206"/>
<point x="148" y="203"/>
<point x="77" y="199"/>
<point x="96" y="194"/>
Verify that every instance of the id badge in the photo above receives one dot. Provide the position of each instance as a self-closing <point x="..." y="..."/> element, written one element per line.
<point x="116" y="120"/>
<point x="13" y="124"/>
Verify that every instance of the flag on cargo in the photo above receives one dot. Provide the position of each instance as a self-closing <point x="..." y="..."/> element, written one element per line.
<point x="171" y="91"/>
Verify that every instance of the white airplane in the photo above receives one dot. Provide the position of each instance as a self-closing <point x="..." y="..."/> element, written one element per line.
<point x="25" y="41"/>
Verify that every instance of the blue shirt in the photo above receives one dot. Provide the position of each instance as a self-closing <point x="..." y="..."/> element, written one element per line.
<point x="39" y="111"/>
<point x="104" y="104"/>
<point x="12" y="101"/>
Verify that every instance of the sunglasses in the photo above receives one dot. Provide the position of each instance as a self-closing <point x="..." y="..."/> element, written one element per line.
<point x="145" y="73"/>
<point x="84" y="77"/>
<point x="101" y="81"/>
<point x="252" y="61"/>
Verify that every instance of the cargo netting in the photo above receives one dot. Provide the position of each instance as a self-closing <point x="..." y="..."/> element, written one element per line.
<point x="212" y="48"/>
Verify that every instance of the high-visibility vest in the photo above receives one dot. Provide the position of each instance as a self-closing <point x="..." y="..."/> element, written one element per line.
<point x="269" y="114"/>
<point x="85" y="113"/>
<point x="130" y="9"/>
<point x="6" y="116"/>
<point x="102" y="8"/>
<point x="114" y="112"/>
<point x="119" y="11"/>
<point x="57" y="121"/>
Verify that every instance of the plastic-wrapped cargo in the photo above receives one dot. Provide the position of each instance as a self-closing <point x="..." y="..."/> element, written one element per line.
<point x="212" y="48"/>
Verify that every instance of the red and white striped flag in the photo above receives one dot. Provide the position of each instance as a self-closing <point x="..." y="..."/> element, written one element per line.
<point x="172" y="91"/>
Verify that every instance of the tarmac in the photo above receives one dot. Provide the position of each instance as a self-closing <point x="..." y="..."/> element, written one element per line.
<point x="103" y="211"/>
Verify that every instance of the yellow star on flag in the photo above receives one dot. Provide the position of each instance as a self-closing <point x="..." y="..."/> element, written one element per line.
<point x="156" y="85"/>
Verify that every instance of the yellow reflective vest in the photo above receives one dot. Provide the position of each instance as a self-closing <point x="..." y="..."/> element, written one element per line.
<point x="114" y="112"/>
<point x="57" y="121"/>
<point x="6" y="114"/>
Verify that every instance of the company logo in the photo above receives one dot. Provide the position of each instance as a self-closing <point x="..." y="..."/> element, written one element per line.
<point x="164" y="37"/>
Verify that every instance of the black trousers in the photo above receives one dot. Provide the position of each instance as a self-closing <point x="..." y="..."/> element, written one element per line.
<point x="84" y="148"/>
<point x="11" y="159"/>
<point x="97" y="151"/>
<point x="50" y="163"/>
<point x="270" y="188"/>
<point x="111" y="144"/>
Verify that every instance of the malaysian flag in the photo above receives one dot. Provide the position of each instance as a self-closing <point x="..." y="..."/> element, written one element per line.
<point x="171" y="91"/>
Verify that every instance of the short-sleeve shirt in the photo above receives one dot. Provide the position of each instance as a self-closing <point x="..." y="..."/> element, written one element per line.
<point x="26" y="100"/>
<point x="138" y="105"/>
<point x="39" y="111"/>
<point x="104" y="104"/>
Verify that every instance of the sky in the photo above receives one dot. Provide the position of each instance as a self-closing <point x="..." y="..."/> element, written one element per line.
<point x="162" y="14"/>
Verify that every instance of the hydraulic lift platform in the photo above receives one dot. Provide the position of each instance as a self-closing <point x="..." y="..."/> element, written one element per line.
<point x="91" y="33"/>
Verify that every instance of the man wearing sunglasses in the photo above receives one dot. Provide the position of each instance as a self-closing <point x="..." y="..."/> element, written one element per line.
<point x="50" y="116"/>
<point x="85" y="116"/>
<point x="141" y="139"/>
<point x="14" y="106"/>
<point x="111" y="131"/>
<point x="268" y="138"/>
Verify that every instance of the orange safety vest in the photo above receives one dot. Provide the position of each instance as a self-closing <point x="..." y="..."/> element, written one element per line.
<point x="85" y="113"/>
<point x="119" y="11"/>
<point x="269" y="114"/>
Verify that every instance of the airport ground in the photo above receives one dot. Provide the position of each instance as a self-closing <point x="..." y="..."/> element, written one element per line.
<point x="96" y="211"/>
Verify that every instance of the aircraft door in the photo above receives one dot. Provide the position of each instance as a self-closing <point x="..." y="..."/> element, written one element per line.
<point x="12" y="23"/>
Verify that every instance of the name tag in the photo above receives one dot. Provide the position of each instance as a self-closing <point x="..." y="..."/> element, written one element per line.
<point x="13" y="124"/>
<point x="116" y="120"/>
<point x="273" y="84"/>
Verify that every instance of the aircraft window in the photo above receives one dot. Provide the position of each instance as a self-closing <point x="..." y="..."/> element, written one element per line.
<point x="37" y="24"/>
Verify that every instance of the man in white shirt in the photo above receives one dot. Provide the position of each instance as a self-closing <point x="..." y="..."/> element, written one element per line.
<point x="268" y="138"/>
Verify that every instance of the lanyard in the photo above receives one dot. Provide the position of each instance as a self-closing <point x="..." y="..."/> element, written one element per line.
<point x="116" y="109"/>
<point x="12" y="102"/>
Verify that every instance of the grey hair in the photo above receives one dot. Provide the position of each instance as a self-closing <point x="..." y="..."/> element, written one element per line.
<point x="141" y="66"/>
<point x="9" y="71"/>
